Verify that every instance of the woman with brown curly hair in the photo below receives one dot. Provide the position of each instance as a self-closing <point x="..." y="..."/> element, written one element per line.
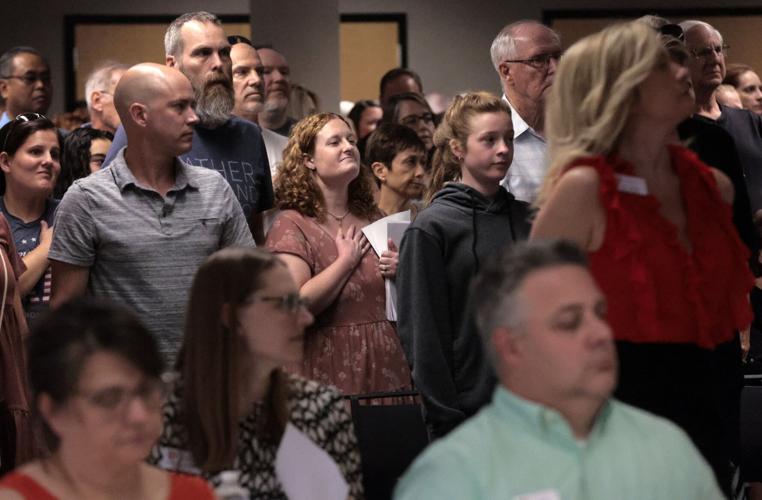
<point x="325" y="203"/>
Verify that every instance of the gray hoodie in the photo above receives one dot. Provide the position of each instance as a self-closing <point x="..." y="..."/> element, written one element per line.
<point x="440" y="253"/>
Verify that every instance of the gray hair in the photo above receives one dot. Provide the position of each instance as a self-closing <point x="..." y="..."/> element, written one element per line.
<point x="173" y="42"/>
<point x="695" y="23"/>
<point x="494" y="291"/>
<point x="100" y="78"/>
<point x="6" y="60"/>
<point x="504" y="45"/>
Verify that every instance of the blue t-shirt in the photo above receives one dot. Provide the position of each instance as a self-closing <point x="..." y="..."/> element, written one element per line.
<point x="237" y="151"/>
<point x="26" y="236"/>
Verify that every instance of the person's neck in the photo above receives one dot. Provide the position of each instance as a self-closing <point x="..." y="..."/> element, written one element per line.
<point x="706" y="103"/>
<point x="98" y="124"/>
<point x="644" y="145"/>
<point x="391" y="202"/>
<point x="336" y="198"/>
<point x="149" y="168"/>
<point x="487" y="189"/>
<point x="273" y="119"/>
<point x="27" y="208"/>
<point x="532" y="112"/>
<point x="246" y="115"/>
<point x="90" y="476"/>
<point x="257" y="377"/>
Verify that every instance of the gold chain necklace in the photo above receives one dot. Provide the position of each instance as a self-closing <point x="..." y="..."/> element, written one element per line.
<point x="339" y="219"/>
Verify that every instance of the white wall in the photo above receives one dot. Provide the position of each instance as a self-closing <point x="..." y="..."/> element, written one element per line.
<point x="448" y="40"/>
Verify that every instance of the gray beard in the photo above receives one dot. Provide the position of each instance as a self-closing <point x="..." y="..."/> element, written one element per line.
<point x="214" y="104"/>
<point x="274" y="112"/>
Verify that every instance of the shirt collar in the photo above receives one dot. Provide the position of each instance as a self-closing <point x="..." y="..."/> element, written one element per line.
<point x="545" y="420"/>
<point x="124" y="177"/>
<point x="519" y="125"/>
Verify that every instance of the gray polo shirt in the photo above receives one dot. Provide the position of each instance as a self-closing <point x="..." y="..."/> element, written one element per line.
<point x="143" y="249"/>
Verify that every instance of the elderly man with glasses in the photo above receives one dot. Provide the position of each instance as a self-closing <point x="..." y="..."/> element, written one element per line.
<point x="707" y="65"/>
<point x="24" y="83"/>
<point x="525" y="55"/>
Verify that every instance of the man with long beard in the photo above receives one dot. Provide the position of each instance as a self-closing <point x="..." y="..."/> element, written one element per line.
<point x="195" y="44"/>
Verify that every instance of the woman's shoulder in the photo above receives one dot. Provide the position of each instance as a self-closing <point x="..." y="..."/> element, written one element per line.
<point x="24" y="483"/>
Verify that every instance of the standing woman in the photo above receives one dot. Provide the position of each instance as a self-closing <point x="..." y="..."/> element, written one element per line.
<point x="657" y="224"/>
<point x="469" y="218"/>
<point x="747" y="83"/>
<point x="232" y="402"/>
<point x="30" y="162"/>
<point x="325" y="204"/>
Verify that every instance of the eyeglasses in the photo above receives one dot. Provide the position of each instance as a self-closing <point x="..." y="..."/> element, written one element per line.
<point x="116" y="400"/>
<point x="31" y="78"/>
<point x="290" y="303"/>
<point x="412" y="120"/>
<point x="23" y="117"/>
<point x="540" y="61"/>
<point x="707" y="52"/>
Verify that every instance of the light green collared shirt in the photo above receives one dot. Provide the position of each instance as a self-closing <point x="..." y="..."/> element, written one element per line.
<point x="514" y="449"/>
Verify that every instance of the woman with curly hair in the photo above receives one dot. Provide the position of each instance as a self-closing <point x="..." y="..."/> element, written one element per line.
<point x="325" y="203"/>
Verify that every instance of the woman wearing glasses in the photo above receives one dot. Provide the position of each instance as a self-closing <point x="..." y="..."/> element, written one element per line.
<point x="94" y="371"/>
<point x="232" y="401"/>
<point x="412" y="110"/>
<point x="657" y="225"/>
<point x="30" y="163"/>
<point x="326" y="202"/>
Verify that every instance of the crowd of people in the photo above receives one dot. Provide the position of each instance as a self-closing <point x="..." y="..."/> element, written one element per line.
<point x="569" y="298"/>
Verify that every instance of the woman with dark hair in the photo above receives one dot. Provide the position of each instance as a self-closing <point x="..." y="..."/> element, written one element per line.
<point x="365" y="116"/>
<point x="325" y="203"/>
<point x="30" y="150"/>
<point x="95" y="370"/>
<point x="233" y="401"/>
<point x="84" y="150"/>
<point x="412" y="110"/>
<point x="746" y="81"/>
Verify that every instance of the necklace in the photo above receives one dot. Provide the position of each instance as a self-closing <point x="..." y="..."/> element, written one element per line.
<point x="339" y="219"/>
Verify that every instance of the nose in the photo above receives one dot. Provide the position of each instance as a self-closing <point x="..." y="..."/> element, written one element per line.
<point x="192" y="118"/>
<point x="137" y="409"/>
<point x="420" y="171"/>
<point x="553" y="64"/>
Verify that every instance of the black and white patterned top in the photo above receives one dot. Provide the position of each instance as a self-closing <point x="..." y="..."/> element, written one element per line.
<point x="316" y="410"/>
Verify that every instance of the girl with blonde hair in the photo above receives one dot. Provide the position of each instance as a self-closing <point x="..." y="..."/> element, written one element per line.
<point x="469" y="217"/>
<point x="657" y="225"/>
<point x="325" y="203"/>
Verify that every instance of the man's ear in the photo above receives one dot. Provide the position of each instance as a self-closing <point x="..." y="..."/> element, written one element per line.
<point x="95" y="101"/>
<point x="4" y="88"/>
<point x="504" y="69"/>
<point x="170" y="61"/>
<point x="506" y="344"/>
<point x="139" y="113"/>
<point x="379" y="170"/>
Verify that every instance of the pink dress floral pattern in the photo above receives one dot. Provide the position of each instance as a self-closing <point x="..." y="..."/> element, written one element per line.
<point x="351" y="345"/>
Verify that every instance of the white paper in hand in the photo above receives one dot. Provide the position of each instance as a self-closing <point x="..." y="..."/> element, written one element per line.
<point x="306" y="471"/>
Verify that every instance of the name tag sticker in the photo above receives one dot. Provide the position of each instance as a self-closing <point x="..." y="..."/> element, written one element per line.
<point x="539" y="495"/>
<point x="631" y="184"/>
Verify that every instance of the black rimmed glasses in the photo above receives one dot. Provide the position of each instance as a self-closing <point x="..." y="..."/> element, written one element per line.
<point x="31" y="78"/>
<point x="23" y="117"/>
<point x="540" y="61"/>
<point x="116" y="400"/>
<point x="290" y="302"/>
<point x="411" y="121"/>
<point x="712" y="50"/>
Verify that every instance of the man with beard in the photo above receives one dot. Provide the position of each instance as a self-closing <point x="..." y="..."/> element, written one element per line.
<point x="195" y="44"/>
<point x="525" y="55"/>
<point x="276" y="74"/>
<point x="249" y="87"/>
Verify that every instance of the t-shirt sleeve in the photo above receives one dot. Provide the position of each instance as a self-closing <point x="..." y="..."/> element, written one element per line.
<point x="186" y="487"/>
<point x="288" y="236"/>
<point x="74" y="236"/>
<point x="235" y="231"/>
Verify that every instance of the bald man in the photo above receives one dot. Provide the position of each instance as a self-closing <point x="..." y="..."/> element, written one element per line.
<point x="135" y="233"/>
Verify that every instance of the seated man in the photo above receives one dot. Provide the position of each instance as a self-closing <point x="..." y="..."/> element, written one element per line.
<point x="397" y="158"/>
<point x="135" y="233"/>
<point x="552" y="430"/>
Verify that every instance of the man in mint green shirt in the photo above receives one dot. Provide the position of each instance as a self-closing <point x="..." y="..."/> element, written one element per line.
<point x="552" y="431"/>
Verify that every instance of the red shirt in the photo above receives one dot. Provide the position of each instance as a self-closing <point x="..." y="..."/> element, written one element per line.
<point x="657" y="290"/>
